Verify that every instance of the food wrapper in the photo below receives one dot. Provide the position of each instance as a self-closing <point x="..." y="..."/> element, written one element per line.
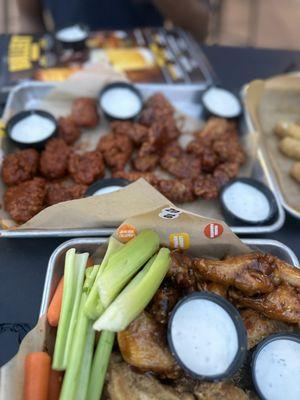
<point x="177" y="229"/>
<point x="89" y="83"/>
<point x="270" y="101"/>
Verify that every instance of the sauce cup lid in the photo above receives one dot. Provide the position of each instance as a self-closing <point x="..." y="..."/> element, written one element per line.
<point x="105" y="183"/>
<point x="39" y="144"/>
<point x="233" y="219"/>
<point x="121" y="85"/>
<point x="240" y="330"/>
<point x="276" y="336"/>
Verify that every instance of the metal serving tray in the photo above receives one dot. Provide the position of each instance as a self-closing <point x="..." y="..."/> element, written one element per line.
<point x="56" y="262"/>
<point x="186" y="98"/>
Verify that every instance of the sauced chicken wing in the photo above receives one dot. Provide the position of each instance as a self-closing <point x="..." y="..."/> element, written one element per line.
<point x="181" y="271"/>
<point x="282" y="304"/>
<point x="143" y="346"/>
<point x="219" y="391"/>
<point x="251" y="273"/>
<point x="125" y="384"/>
<point x="259" y="327"/>
<point x="164" y="301"/>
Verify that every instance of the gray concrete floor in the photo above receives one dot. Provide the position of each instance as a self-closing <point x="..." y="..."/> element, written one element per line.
<point x="274" y="23"/>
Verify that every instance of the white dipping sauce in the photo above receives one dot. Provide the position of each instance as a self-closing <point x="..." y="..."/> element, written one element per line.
<point x="247" y="202"/>
<point x="71" y="34"/>
<point x="31" y="129"/>
<point x="277" y="370"/>
<point x="204" y="337"/>
<point x="121" y="102"/>
<point x="108" y="189"/>
<point x="221" y="102"/>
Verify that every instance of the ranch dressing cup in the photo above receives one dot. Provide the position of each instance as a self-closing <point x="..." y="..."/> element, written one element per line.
<point x="120" y="101"/>
<point x="276" y="367"/>
<point x="73" y="36"/>
<point x="31" y="128"/>
<point x="207" y="337"/>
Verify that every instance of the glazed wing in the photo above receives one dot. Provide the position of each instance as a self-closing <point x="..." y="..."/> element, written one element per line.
<point x="259" y="327"/>
<point x="181" y="271"/>
<point x="282" y="304"/>
<point x="143" y="346"/>
<point x="288" y="273"/>
<point x="125" y="384"/>
<point x="219" y="391"/>
<point x="251" y="273"/>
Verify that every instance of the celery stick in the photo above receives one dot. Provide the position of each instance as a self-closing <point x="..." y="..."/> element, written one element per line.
<point x="135" y="297"/>
<point x="125" y="263"/>
<point x="100" y="364"/>
<point x="83" y="381"/>
<point x="80" y="265"/>
<point x="71" y="382"/>
<point x="59" y="361"/>
<point x="93" y="307"/>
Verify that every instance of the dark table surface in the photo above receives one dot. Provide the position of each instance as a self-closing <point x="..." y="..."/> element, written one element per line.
<point x="23" y="262"/>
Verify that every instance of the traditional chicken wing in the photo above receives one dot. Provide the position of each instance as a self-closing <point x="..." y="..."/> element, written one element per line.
<point x="125" y="384"/>
<point x="282" y="304"/>
<point x="181" y="271"/>
<point x="143" y="346"/>
<point x="252" y="273"/>
<point x="68" y="130"/>
<point x="219" y="391"/>
<point x="259" y="327"/>
<point x="163" y="302"/>
<point x="84" y="112"/>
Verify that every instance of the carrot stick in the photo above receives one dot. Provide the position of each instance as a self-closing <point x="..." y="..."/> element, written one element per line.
<point x="90" y="262"/>
<point x="36" y="380"/>
<point x="55" y="305"/>
<point x="55" y="383"/>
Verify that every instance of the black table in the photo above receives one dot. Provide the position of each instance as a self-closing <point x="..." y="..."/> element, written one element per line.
<point x="23" y="262"/>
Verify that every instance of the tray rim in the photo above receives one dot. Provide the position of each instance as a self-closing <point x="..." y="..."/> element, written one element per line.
<point x="248" y="230"/>
<point x="101" y="240"/>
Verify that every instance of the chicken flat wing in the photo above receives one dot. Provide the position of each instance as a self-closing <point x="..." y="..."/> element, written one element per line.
<point x="259" y="327"/>
<point x="288" y="273"/>
<point x="282" y="304"/>
<point x="219" y="391"/>
<point x="163" y="302"/>
<point x="143" y="346"/>
<point x="125" y="384"/>
<point x="251" y="273"/>
<point x="181" y="271"/>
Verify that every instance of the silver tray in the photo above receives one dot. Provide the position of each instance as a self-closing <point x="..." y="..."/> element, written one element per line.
<point x="56" y="262"/>
<point x="186" y="98"/>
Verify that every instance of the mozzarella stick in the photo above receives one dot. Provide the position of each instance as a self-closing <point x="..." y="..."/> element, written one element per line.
<point x="290" y="147"/>
<point x="295" y="171"/>
<point x="287" y="129"/>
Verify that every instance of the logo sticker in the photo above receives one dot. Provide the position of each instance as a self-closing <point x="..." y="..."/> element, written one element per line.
<point x="126" y="232"/>
<point x="213" y="230"/>
<point x="179" y="240"/>
<point x="169" y="213"/>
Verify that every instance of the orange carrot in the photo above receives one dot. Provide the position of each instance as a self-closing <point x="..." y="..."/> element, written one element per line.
<point x="36" y="380"/>
<point x="55" y="305"/>
<point x="90" y="262"/>
<point x="55" y="383"/>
